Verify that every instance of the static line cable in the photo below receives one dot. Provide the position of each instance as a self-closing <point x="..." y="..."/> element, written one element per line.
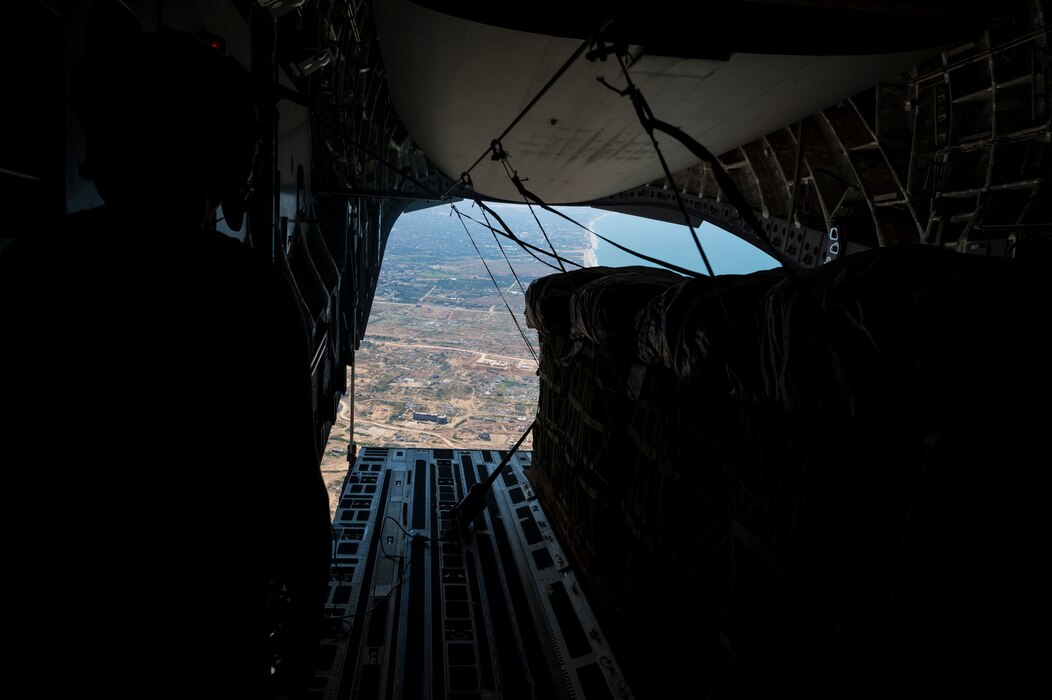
<point x="502" y="252"/>
<point x="514" y="318"/>
<point x="548" y="240"/>
<point x="527" y="195"/>
<point x="467" y="180"/>
<point x="501" y="293"/>
<point x="547" y="86"/>
<point x="507" y="233"/>
<point x="635" y="93"/>
<point x="675" y="268"/>
<point x="514" y="176"/>
<point x="472" y="505"/>
<point x="650" y="124"/>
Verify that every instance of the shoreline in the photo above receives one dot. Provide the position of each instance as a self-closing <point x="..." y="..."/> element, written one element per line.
<point x="590" y="258"/>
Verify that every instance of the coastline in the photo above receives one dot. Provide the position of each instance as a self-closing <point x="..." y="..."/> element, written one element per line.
<point x="590" y="257"/>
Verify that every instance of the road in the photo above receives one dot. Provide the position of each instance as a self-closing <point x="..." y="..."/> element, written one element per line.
<point x="457" y="309"/>
<point x="397" y="428"/>
<point x="446" y="347"/>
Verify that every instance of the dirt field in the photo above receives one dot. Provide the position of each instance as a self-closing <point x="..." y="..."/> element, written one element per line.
<point x="463" y="433"/>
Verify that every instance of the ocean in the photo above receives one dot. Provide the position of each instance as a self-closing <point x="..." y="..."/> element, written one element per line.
<point x="673" y="243"/>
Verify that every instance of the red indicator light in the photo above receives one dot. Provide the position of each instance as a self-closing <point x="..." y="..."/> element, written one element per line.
<point x="215" y="42"/>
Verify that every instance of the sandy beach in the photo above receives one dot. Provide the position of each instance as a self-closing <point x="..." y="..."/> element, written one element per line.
<point x="590" y="259"/>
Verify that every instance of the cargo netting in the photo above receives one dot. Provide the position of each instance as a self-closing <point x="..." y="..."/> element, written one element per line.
<point x="773" y="486"/>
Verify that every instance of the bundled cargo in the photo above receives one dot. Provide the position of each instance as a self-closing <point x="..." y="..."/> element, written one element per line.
<point x="790" y="472"/>
<point x="604" y="309"/>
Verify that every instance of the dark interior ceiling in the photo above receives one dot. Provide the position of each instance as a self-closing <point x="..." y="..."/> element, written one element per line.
<point x="814" y="27"/>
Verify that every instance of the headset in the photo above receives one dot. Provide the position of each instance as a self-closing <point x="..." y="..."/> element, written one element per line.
<point x="173" y="91"/>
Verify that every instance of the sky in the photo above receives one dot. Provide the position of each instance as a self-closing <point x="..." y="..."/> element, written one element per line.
<point x="726" y="253"/>
<point x="673" y="243"/>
